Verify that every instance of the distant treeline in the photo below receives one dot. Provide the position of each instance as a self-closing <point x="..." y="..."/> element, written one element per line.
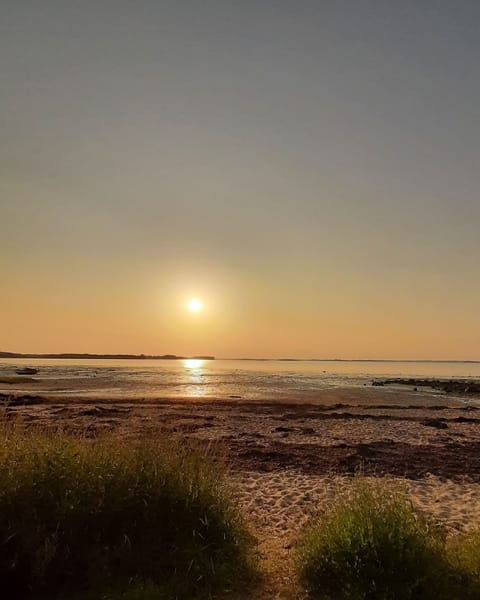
<point x="104" y="356"/>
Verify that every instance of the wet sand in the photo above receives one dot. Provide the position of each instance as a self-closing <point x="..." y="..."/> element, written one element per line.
<point x="291" y="458"/>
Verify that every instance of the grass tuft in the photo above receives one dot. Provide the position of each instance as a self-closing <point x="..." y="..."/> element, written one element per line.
<point x="81" y="515"/>
<point x="373" y="545"/>
<point x="464" y="556"/>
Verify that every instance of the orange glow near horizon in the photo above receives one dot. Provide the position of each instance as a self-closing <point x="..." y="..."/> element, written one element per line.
<point x="246" y="317"/>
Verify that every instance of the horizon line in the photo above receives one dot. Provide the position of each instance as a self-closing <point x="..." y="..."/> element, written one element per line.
<point x="169" y="356"/>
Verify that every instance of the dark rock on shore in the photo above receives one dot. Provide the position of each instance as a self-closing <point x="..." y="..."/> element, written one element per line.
<point x="437" y="423"/>
<point x="461" y="387"/>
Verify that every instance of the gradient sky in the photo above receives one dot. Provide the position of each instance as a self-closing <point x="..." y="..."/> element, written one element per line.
<point x="310" y="169"/>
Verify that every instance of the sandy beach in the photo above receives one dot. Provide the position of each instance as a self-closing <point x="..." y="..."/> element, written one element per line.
<point x="289" y="459"/>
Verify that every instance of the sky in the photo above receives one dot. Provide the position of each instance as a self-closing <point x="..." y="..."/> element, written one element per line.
<point x="309" y="169"/>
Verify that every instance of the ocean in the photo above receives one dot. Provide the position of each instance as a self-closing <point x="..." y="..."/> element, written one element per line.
<point x="222" y="379"/>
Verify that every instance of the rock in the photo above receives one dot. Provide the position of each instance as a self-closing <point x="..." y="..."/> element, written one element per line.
<point x="437" y="423"/>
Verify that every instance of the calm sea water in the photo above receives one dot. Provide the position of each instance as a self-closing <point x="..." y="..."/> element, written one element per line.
<point x="218" y="378"/>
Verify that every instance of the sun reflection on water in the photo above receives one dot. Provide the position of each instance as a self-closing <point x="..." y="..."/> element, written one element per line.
<point x="194" y="376"/>
<point x="192" y="363"/>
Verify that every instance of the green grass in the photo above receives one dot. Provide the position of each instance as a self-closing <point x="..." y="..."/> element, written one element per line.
<point x="113" y="519"/>
<point x="110" y="518"/>
<point x="464" y="556"/>
<point x="372" y="544"/>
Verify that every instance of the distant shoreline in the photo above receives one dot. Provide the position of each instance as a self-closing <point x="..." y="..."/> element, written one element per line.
<point x="105" y="356"/>
<point x="90" y="356"/>
<point x="366" y="360"/>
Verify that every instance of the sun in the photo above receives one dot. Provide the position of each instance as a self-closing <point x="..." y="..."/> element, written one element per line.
<point x="195" y="305"/>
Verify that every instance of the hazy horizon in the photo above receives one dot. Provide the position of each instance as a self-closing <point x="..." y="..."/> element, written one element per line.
<point x="308" y="171"/>
<point x="207" y="356"/>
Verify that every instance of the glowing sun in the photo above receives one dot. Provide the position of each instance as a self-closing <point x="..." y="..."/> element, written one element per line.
<point x="195" y="305"/>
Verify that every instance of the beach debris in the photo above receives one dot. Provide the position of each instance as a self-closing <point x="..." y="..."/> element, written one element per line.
<point x="26" y="371"/>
